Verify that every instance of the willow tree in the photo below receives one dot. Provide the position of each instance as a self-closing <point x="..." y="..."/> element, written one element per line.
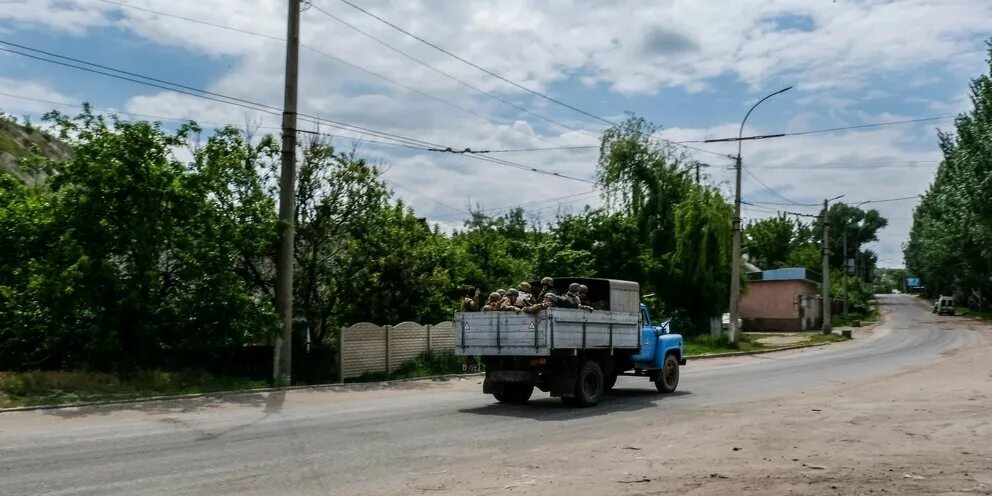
<point x="683" y="228"/>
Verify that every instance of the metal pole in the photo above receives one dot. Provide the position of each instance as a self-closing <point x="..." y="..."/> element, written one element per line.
<point x="697" y="172"/>
<point x="845" y="272"/>
<point x="282" y="365"/>
<point x="826" y="271"/>
<point x="735" y="262"/>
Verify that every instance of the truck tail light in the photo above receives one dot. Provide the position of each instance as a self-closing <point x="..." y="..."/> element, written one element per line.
<point x="537" y="362"/>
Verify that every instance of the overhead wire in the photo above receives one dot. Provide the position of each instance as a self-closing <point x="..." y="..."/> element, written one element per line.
<point x="443" y="73"/>
<point x="483" y="69"/>
<point x="846" y="128"/>
<point x="412" y="143"/>
<point x="330" y="57"/>
<point x="490" y="73"/>
<point x="768" y="188"/>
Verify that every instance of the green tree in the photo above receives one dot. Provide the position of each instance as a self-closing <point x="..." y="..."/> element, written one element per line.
<point x="950" y="244"/>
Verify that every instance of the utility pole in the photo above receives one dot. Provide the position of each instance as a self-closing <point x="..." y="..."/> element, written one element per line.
<point x="845" y="271"/>
<point x="697" y="172"/>
<point x="282" y="360"/>
<point x="826" y="271"/>
<point x="735" y="262"/>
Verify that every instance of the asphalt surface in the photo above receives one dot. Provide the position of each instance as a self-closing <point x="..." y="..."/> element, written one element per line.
<point x="334" y="442"/>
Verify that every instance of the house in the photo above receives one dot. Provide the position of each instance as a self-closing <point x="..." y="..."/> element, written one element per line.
<point x="781" y="300"/>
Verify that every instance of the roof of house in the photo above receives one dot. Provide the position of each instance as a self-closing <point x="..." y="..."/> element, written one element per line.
<point x="785" y="274"/>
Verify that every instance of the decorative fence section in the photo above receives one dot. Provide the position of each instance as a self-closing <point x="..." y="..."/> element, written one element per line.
<point x="367" y="348"/>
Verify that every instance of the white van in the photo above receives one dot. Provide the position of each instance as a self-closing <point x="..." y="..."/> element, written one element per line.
<point x="944" y="306"/>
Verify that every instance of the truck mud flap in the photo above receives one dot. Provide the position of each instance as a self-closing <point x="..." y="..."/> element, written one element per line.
<point x="682" y="361"/>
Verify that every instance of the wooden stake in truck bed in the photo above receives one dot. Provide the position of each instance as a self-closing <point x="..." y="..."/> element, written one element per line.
<point x="574" y="354"/>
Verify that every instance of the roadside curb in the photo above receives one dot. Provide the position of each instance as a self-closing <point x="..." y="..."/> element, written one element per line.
<point x="757" y="352"/>
<point x="220" y="394"/>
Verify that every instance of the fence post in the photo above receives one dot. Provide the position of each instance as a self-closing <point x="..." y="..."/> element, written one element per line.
<point x="428" y="338"/>
<point x="341" y="355"/>
<point x="388" y="346"/>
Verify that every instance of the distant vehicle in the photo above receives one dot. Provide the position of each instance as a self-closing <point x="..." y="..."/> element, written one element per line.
<point x="573" y="354"/>
<point x="944" y="306"/>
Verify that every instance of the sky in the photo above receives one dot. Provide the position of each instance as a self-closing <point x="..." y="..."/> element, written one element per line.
<point x="694" y="68"/>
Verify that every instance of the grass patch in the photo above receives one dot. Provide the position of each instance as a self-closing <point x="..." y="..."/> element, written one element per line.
<point x="824" y="338"/>
<point x="978" y="314"/>
<point x="57" y="387"/>
<point x="427" y="364"/>
<point x="705" y="345"/>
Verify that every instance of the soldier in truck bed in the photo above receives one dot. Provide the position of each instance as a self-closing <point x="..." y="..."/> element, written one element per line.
<point x="492" y="304"/>
<point x="470" y="303"/>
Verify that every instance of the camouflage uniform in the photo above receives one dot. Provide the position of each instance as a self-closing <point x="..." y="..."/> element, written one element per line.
<point x="509" y="302"/>
<point x="525" y="299"/>
<point x="492" y="304"/>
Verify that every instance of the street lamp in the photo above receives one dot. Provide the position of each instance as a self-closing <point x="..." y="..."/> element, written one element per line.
<point x="735" y="277"/>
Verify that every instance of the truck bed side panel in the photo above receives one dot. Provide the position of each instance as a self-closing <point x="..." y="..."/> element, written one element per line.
<point x="512" y="334"/>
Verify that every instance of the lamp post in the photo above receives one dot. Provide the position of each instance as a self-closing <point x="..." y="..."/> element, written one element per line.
<point x="735" y="277"/>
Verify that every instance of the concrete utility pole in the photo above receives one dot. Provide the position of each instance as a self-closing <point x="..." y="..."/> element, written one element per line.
<point x="282" y="362"/>
<point x="845" y="272"/>
<point x="826" y="271"/>
<point x="735" y="270"/>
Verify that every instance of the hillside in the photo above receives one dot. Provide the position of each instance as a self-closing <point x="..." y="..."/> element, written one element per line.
<point x="16" y="142"/>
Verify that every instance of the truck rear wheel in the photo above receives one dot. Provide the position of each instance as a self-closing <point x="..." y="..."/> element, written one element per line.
<point x="514" y="392"/>
<point x="668" y="376"/>
<point x="588" y="385"/>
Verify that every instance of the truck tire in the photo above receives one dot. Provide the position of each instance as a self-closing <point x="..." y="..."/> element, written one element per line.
<point x="668" y="376"/>
<point x="609" y="381"/>
<point x="516" y="393"/>
<point x="588" y="385"/>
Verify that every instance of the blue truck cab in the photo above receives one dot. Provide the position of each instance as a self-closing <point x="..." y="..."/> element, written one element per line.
<point x="661" y="351"/>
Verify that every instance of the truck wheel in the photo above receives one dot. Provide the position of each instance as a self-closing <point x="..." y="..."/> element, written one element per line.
<point x="588" y="385"/>
<point x="514" y="392"/>
<point x="608" y="382"/>
<point x="668" y="376"/>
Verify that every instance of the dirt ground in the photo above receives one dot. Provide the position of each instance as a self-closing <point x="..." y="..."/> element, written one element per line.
<point x="913" y="433"/>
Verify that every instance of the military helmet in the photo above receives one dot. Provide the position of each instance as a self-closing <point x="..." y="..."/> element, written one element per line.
<point x="494" y="296"/>
<point x="512" y="292"/>
<point x="501" y="292"/>
<point x="547" y="281"/>
<point x="573" y="288"/>
<point x="583" y="289"/>
<point x="525" y="286"/>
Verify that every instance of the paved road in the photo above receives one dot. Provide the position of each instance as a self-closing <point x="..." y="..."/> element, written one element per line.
<point x="351" y="442"/>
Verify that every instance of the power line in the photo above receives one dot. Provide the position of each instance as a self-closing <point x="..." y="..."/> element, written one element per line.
<point x="411" y="191"/>
<point x="195" y="92"/>
<point x="328" y="56"/>
<point x="405" y="86"/>
<point x="889" y="200"/>
<point x="844" y="128"/>
<point x="487" y="71"/>
<point x="768" y="188"/>
<point x="862" y="165"/>
<point x="483" y="69"/>
<point x="443" y="73"/>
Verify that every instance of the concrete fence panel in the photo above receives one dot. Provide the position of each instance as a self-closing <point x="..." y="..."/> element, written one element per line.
<point x="368" y="348"/>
